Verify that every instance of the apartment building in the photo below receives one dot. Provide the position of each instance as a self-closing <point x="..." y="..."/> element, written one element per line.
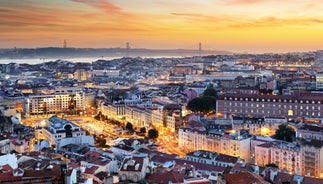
<point x="232" y="144"/>
<point x="54" y="103"/>
<point x="312" y="158"/>
<point x="287" y="156"/>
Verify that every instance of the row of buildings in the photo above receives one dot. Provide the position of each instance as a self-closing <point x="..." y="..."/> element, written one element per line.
<point x="304" y="156"/>
<point x="161" y="116"/>
<point x="50" y="102"/>
<point x="293" y="105"/>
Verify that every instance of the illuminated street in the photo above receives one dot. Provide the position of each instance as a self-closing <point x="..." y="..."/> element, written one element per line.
<point x="167" y="144"/>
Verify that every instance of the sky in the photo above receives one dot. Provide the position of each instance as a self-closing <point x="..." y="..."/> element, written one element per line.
<point x="252" y="26"/>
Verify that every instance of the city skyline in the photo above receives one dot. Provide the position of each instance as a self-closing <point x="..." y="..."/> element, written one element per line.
<point x="253" y="26"/>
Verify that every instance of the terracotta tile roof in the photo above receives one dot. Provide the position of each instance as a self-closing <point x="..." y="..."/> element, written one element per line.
<point x="55" y="171"/>
<point x="313" y="142"/>
<point x="6" y="168"/>
<point x="312" y="128"/>
<point x="283" y="177"/>
<point x="227" y="158"/>
<point x="166" y="177"/>
<point x="73" y="165"/>
<point x="7" y="177"/>
<point x="198" y="166"/>
<point x="129" y="164"/>
<point x="101" y="161"/>
<point x="266" y="145"/>
<point x="308" y="180"/>
<point x="243" y="178"/>
<point x="91" y="169"/>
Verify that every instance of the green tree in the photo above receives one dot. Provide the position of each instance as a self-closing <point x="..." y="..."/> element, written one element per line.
<point x="285" y="133"/>
<point x="142" y="130"/>
<point x="210" y="92"/>
<point x="129" y="127"/>
<point x="271" y="165"/>
<point x="204" y="104"/>
<point x="152" y="134"/>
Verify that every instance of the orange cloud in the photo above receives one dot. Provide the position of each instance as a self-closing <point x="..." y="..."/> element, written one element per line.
<point x="104" y="5"/>
<point x="276" y="22"/>
<point x="243" y="2"/>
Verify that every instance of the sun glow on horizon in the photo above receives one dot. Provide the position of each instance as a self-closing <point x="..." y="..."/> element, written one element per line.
<point x="233" y="25"/>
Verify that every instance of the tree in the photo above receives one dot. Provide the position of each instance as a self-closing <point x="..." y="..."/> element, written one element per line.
<point x="210" y="92"/>
<point x="204" y="104"/>
<point x="142" y="130"/>
<point x="271" y="165"/>
<point x="129" y="127"/>
<point x="152" y="134"/>
<point x="285" y="133"/>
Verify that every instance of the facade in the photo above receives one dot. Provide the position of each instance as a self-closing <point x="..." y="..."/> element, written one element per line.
<point x="113" y="110"/>
<point x="287" y="156"/>
<point x="4" y="144"/>
<point x="310" y="132"/>
<point x="212" y="158"/>
<point x="292" y="106"/>
<point x="319" y="81"/>
<point x="20" y="146"/>
<point x="157" y="118"/>
<point x="82" y="75"/>
<point x="230" y="144"/>
<point x="58" y="129"/>
<point x="312" y="158"/>
<point x="54" y="103"/>
<point x="182" y="70"/>
<point x="106" y="73"/>
<point x="139" y="115"/>
<point x="263" y="154"/>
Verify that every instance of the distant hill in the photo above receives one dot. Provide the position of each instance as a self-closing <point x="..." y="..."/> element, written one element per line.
<point x="56" y="52"/>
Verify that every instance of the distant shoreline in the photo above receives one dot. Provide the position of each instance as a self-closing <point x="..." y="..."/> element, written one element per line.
<point x="33" y="61"/>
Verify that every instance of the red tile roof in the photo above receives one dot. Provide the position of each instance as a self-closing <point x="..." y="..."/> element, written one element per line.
<point x="6" y="168"/>
<point x="91" y="170"/>
<point x="166" y="177"/>
<point x="243" y="178"/>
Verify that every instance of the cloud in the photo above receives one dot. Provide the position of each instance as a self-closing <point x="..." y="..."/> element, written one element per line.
<point x="104" y="5"/>
<point x="244" y="2"/>
<point x="277" y="22"/>
<point x="207" y="19"/>
<point x="194" y="15"/>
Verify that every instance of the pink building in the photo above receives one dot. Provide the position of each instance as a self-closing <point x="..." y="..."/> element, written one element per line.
<point x="263" y="154"/>
<point x="292" y="106"/>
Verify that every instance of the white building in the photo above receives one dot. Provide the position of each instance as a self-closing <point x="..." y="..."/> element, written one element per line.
<point x="319" y="81"/>
<point x="232" y="144"/>
<point x="55" y="103"/>
<point x="4" y="144"/>
<point x="10" y="159"/>
<point x="133" y="169"/>
<point x="58" y="129"/>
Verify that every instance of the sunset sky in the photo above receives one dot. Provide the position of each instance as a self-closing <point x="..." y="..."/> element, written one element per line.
<point x="233" y="25"/>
